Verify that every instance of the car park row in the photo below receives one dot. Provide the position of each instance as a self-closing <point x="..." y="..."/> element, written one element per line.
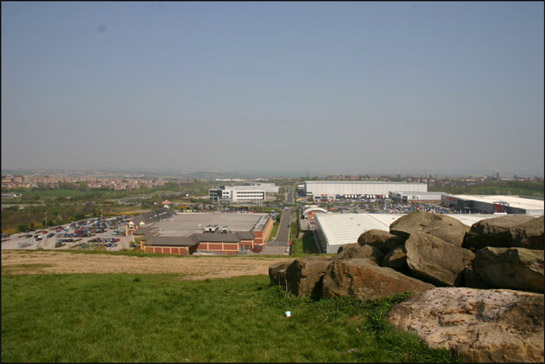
<point x="74" y="235"/>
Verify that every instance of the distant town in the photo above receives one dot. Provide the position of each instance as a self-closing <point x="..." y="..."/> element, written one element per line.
<point x="108" y="180"/>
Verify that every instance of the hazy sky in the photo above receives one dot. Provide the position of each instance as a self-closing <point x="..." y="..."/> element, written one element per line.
<point x="357" y="87"/>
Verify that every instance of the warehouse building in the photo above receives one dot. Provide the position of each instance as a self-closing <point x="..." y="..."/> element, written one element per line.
<point x="220" y="233"/>
<point x="147" y="218"/>
<point x="416" y="196"/>
<point x="358" y="189"/>
<point x="334" y="230"/>
<point x="490" y="204"/>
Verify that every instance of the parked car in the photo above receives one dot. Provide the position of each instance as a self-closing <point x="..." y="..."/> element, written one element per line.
<point x="50" y="235"/>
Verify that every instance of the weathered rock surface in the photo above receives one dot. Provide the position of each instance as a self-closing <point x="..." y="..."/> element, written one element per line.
<point x="277" y="273"/>
<point x="444" y="227"/>
<point x="363" y="279"/>
<point x="351" y="251"/>
<point x="397" y="260"/>
<point x="346" y="246"/>
<point x="472" y="280"/>
<point x="529" y="234"/>
<point x="304" y="276"/>
<point x="494" y="325"/>
<point x="435" y="261"/>
<point x="499" y="232"/>
<point x="381" y="239"/>
<point x="515" y="268"/>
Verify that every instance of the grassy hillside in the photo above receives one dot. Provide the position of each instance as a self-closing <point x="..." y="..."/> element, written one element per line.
<point x="161" y="318"/>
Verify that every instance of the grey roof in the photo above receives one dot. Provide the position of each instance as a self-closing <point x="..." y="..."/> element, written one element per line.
<point x="145" y="230"/>
<point x="171" y="241"/>
<point x="245" y="235"/>
<point x="153" y="216"/>
<point x="194" y="239"/>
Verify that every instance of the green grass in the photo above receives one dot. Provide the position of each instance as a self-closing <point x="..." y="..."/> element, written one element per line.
<point x="305" y="245"/>
<point x="162" y="318"/>
<point x="274" y="230"/>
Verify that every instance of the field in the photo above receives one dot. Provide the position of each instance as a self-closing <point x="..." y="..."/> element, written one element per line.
<point x="496" y="188"/>
<point x="104" y="309"/>
<point x="60" y="193"/>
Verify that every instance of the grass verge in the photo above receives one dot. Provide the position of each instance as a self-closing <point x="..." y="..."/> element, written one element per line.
<point x="161" y="318"/>
<point x="305" y="245"/>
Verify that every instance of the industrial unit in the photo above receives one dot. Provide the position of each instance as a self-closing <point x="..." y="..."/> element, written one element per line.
<point x="334" y="230"/>
<point x="416" y="196"/>
<point x="358" y="189"/>
<point x="490" y="204"/>
<point x="220" y="233"/>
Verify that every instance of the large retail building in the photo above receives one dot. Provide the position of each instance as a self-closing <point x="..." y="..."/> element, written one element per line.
<point x="358" y="189"/>
<point x="489" y="204"/>
<point x="219" y="233"/>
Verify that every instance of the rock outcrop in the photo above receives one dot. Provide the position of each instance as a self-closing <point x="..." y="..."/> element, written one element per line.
<point x="529" y="234"/>
<point x="496" y="316"/>
<point x="352" y="251"/>
<point x="364" y="279"/>
<point x="436" y="261"/>
<point x="505" y="232"/>
<point x="277" y="273"/>
<point x="397" y="260"/>
<point x="515" y="268"/>
<point x="304" y="276"/>
<point x="444" y="227"/>
<point x="381" y="239"/>
<point x="494" y="325"/>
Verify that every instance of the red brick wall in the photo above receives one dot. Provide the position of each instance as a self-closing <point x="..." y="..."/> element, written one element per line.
<point x="232" y="248"/>
<point x="183" y="250"/>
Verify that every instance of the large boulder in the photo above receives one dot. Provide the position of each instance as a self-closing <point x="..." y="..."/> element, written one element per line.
<point x="529" y="234"/>
<point x="381" y="239"/>
<point x="436" y="261"/>
<point x="351" y="251"/>
<point x="397" y="260"/>
<point x="515" y="268"/>
<point x="444" y="227"/>
<point x="500" y="232"/>
<point x="277" y="273"/>
<point x="304" y="276"/>
<point x="347" y="246"/>
<point x="363" y="279"/>
<point x="496" y="326"/>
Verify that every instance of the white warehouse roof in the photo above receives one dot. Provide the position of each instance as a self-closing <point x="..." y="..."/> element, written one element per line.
<point x="513" y="201"/>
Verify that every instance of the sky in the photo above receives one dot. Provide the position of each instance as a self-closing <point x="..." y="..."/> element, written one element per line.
<point x="329" y="87"/>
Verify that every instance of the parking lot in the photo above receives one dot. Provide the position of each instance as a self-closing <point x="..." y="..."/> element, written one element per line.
<point x="83" y="234"/>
